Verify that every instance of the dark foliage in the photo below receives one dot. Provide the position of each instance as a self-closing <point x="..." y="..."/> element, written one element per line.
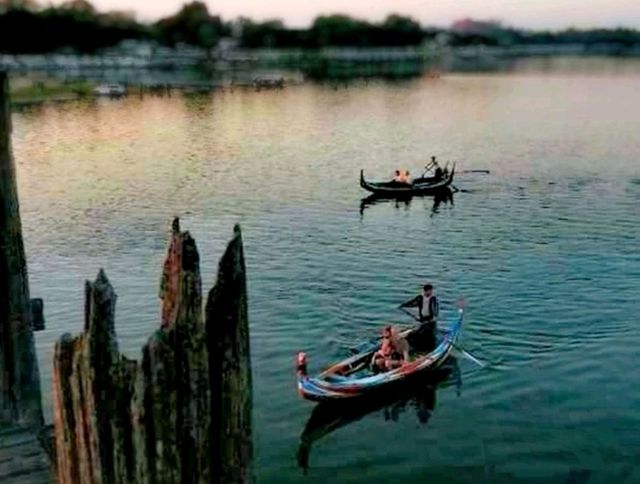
<point x="333" y="30"/>
<point x="76" y="25"/>
<point x="25" y="27"/>
<point x="191" y="25"/>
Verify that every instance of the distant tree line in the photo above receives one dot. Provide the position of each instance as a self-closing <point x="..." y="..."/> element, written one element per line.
<point x="191" y="25"/>
<point x="333" y="30"/>
<point x="510" y="36"/>
<point x="27" y="27"/>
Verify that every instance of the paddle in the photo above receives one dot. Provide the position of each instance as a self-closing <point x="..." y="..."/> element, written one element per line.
<point x="417" y="319"/>
<point x="427" y="168"/>
<point x="462" y="351"/>
<point x="469" y="356"/>
<point x="402" y="308"/>
<point x="485" y="172"/>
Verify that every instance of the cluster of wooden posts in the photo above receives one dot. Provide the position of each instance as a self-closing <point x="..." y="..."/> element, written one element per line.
<point x="182" y="413"/>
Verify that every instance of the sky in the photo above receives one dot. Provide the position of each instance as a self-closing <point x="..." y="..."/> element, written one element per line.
<point x="538" y="14"/>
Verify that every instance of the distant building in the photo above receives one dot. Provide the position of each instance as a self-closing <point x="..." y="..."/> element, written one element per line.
<point x="490" y="32"/>
<point x="134" y="47"/>
<point x="469" y="26"/>
<point x="441" y="39"/>
<point x="227" y="43"/>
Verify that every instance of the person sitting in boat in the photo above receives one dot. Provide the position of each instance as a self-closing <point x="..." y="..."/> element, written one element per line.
<point x="393" y="352"/>
<point x="401" y="177"/>
<point x="424" y="338"/>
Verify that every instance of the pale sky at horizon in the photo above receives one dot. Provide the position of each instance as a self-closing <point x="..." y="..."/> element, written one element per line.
<point x="539" y="14"/>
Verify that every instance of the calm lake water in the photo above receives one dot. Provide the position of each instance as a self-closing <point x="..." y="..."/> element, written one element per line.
<point x="545" y="250"/>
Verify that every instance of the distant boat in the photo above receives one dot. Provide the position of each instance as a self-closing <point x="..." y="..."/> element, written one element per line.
<point x="268" y="82"/>
<point x="419" y="186"/>
<point x="110" y="90"/>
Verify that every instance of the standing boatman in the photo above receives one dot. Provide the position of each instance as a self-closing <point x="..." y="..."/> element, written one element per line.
<point x="424" y="338"/>
<point x="427" y="304"/>
<point x="438" y="172"/>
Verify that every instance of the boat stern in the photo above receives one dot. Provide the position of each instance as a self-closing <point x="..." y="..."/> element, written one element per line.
<point x="301" y="371"/>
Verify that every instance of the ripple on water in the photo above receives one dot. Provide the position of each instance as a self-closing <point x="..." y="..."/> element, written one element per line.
<point x="544" y="250"/>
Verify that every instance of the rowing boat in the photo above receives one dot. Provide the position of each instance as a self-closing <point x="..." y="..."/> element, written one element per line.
<point x="419" y="186"/>
<point x="352" y="377"/>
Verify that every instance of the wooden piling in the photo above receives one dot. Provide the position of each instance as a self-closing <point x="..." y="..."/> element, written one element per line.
<point x="19" y="376"/>
<point x="183" y="414"/>
<point x="230" y="367"/>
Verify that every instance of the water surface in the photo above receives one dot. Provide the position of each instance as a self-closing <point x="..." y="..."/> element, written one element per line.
<point x="545" y="251"/>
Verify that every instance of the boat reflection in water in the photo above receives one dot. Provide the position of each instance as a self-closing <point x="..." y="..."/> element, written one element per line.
<point x="419" y="391"/>
<point x="441" y="197"/>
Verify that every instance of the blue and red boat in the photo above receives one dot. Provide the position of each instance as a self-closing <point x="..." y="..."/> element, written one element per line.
<point x="353" y="377"/>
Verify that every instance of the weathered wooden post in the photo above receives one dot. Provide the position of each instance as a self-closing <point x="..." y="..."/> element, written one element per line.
<point x="182" y="415"/>
<point x="19" y="376"/>
<point x="230" y="368"/>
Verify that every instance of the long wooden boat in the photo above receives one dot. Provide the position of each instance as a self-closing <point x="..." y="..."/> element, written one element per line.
<point x="352" y="377"/>
<point x="419" y="186"/>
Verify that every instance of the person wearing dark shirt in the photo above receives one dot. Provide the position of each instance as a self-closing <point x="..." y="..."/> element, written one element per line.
<point x="438" y="173"/>
<point x="427" y="304"/>
<point x="424" y="338"/>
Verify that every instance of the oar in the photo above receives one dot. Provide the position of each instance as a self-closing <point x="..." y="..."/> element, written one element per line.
<point x="464" y="352"/>
<point x="402" y="308"/>
<point x="485" y="172"/>
<point x="469" y="356"/>
<point x="427" y="168"/>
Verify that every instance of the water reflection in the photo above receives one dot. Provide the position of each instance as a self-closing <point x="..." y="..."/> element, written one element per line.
<point x="419" y="394"/>
<point x="371" y="200"/>
<point x="442" y="197"/>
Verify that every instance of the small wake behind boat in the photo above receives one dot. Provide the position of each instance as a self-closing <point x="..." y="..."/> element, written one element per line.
<point x="352" y="377"/>
<point x="419" y="186"/>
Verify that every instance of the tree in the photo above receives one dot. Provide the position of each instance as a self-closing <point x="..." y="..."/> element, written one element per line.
<point x="193" y="25"/>
<point x="401" y="30"/>
<point x="29" y="5"/>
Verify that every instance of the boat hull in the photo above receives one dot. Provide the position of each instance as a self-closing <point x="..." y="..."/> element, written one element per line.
<point x="397" y="190"/>
<point x="331" y="386"/>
